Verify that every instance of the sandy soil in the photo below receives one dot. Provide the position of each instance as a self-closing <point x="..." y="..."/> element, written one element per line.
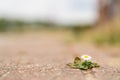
<point x="44" y="57"/>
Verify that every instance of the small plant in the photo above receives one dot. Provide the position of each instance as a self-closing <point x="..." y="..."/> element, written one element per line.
<point x="83" y="63"/>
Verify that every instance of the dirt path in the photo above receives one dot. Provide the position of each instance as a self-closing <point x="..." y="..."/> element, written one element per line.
<point x="44" y="57"/>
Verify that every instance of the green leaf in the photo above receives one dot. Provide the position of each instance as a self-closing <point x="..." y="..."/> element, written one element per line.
<point x="84" y="67"/>
<point x="72" y="65"/>
<point x="96" y="65"/>
<point x="77" y="60"/>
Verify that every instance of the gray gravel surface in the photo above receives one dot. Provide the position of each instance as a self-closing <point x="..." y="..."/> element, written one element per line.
<point x="44" y="57"/>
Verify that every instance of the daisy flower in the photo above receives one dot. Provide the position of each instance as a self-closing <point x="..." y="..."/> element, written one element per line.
<point x="86" y="57"/>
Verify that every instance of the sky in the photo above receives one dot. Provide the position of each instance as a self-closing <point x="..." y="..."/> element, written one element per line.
<point x="59" y="11"/>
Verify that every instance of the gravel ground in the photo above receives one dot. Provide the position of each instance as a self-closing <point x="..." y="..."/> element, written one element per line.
<point x="44" y="57"/>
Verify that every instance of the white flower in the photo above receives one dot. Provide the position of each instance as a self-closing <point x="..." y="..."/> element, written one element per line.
<point x="86" y="57"/>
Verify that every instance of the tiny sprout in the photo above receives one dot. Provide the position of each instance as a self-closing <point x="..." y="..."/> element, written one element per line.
<point x="83" y="63"/>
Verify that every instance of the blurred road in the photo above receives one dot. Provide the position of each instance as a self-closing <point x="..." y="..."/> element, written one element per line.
<point x="44" y="57"/>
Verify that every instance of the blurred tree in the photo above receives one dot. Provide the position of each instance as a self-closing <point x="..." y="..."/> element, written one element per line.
<point x="19" y="25"/>
<point x="3" y="25"/>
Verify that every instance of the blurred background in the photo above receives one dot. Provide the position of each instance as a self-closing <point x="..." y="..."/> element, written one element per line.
<point x="47" y="26"/>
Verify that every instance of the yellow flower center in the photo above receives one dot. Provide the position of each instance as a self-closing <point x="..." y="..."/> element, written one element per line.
<point x="86" y="56"/>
